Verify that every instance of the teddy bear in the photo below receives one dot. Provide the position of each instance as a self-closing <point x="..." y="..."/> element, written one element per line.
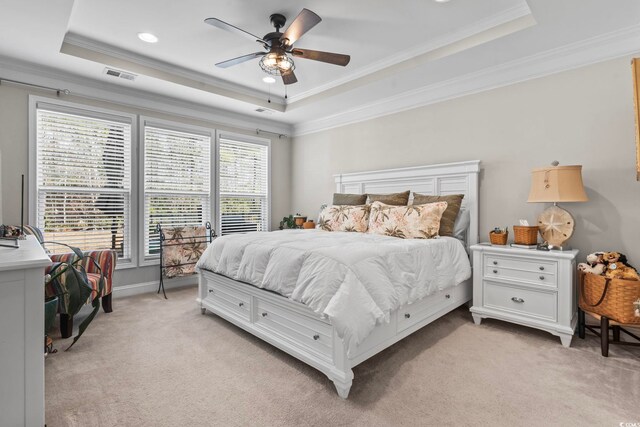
<point x="618" y="270"/>
<point x="610" y="257"/>
<point x="594" y="265"/>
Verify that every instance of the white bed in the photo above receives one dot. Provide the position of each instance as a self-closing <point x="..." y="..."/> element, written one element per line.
<point x="339" y="326"/>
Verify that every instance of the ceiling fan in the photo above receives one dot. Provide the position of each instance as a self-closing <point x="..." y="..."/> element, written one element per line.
<point x="278" y="59"/>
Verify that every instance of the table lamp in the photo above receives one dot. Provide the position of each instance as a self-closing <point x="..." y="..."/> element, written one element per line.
<point x="556" y="184"/>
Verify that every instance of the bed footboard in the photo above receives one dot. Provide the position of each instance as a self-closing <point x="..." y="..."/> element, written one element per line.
<point x="295" y="329"/>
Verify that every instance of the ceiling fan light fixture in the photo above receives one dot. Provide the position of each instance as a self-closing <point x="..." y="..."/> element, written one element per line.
<point x="277" y="63"/>
<point x="268" y="79"/>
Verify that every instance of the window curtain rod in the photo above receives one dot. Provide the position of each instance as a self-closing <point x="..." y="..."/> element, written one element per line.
<point x="58" y="91"/>
<point x="280" y="135"/>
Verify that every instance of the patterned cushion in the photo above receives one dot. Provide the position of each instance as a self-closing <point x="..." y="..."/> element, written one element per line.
<point x="396" y="199"/>
<point x="344" y="218"/>
<point x="349" y="199"/>
<point x="454" y="201"/>
<point x="182" y="249"/>
<point x="406" y="222"/>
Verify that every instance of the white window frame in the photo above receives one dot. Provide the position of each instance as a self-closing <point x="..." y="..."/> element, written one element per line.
<point x="251" y="140"/>
<point x="36" y="102"/>
<point x="144" y="121"/>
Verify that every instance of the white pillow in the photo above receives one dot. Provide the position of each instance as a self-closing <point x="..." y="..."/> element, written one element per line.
<point x="463" y="220"/>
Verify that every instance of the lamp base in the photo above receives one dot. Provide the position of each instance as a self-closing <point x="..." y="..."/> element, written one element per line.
<point x="556" y="227"/>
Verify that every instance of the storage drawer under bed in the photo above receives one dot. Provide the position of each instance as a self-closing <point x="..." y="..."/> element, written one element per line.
<point x="308" y="333"/>
<point x="230" y="301"/>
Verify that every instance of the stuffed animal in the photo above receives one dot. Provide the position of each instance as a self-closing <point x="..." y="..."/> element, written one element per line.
<point x="611" y="257"/>
<point x="597" y="269"/>
<point x="594" y="265"/>
<point x="618" y="270"/>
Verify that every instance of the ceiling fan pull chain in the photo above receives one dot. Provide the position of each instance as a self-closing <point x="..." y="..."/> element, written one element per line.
<point x="269" y="99"/>
<point x="285" y="92"/>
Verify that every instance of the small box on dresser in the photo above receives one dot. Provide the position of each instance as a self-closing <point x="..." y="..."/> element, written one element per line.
<point x="528" y="287"/>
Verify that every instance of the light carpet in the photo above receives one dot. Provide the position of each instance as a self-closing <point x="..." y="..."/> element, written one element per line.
<point x="156" y="362"/>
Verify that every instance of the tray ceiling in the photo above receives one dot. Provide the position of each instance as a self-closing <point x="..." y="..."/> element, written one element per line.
<point x="396" y="47"/>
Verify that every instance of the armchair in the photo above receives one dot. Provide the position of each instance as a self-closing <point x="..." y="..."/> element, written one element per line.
<point x="106" y="260"/>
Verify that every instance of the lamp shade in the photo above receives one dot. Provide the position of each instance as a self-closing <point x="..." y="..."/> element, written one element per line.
<point x="557" y="184"/>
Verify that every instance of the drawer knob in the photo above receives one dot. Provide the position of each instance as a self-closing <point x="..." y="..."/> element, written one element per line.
<point x="495" y="271"/>
<point x="316" y="337"/>
<point x="495" y="262"/>
<point x="264" y="314"/>
<point x="210" y="291"/>
<point x="541" y="277"/>
<point x="447" y="296"/>
<point x="240" y="304"/>
<point x="407" y="315"/>
<point x="541" y="268"/>
<point x="518" y="300"/>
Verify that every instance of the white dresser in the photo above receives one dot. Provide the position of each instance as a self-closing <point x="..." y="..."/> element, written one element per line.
<point x="528" y="287"/>
<point x="22" y="334"/>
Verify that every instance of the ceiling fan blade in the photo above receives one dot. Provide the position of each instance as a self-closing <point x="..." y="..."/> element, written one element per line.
<point x="233" y="29"/>
<point x="289" y="78"/>
<point x="239" y="60"/>
<point x="305" y="21"/>
<point x="316" y="55"/>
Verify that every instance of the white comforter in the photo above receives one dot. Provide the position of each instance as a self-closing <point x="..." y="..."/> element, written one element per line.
<point x="356" y="279"/>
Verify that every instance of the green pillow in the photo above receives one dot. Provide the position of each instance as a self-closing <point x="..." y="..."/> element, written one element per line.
<point x="349" y="199"/>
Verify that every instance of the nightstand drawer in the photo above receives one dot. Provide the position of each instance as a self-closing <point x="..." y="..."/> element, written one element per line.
<point x="542" y="305"/>
<point x="536" y="266"/>
<point x="529" y="277"/>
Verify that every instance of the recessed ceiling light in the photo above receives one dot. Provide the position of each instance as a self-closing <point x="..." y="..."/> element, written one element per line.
<point x="441" y="1"/>
<point x="268" y="79"/>
<point x="147" y="37"/>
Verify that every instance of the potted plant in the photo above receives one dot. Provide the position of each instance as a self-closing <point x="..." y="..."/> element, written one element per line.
<point x="68" y="283"/>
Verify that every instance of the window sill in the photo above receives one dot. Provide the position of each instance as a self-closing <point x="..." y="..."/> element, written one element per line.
<point x="125" y="264"/>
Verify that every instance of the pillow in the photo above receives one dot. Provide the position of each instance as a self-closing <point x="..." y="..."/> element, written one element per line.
<point x="454" y="202"/>
<point x="349" y="199"/>
<point x="406" y="222"/>
<point x="396" y="199"/>
<point x="344" y="218"/>
<point x="462" y="223"/>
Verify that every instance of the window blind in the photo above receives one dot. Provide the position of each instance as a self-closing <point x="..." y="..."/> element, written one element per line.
<point x="243" y="185"/>
<point x="83" y="181"/>
<point x="177" y="181"/>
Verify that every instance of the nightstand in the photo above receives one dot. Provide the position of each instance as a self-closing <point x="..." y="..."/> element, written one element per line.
<point x="526" y="286"/>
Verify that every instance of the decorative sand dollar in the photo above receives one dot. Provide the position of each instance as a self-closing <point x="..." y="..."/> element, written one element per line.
<point x="556" y="225"/>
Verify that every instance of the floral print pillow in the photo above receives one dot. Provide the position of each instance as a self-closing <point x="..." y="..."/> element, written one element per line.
<point x="344" y="218"/>
<point x="406" y="222"/>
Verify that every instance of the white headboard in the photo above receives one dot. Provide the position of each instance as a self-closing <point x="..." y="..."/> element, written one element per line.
<point x="442" y="179"/>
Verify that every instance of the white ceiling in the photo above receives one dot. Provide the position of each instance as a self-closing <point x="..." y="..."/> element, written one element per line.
<point x="397" y="48"/>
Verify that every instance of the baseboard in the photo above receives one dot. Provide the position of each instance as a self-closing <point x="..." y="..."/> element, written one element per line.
<point x="149" y="287"/>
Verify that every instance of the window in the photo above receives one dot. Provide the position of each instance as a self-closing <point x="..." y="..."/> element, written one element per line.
<point x="243" y="169"/>
<point x="82" y="178"/>
<point x="177" y="181"/>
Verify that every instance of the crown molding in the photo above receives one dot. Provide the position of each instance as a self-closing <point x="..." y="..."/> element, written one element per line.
<point x="615" y="44"/>
<point x="93" y="50"/>
<point x="506" y="16"/>
<point x="91" y="89"/>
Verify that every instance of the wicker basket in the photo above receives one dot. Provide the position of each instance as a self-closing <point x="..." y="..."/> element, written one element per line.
<point x="612" y="298"/>
<point x="498" y="238"/>
<point x="525" y="235"/>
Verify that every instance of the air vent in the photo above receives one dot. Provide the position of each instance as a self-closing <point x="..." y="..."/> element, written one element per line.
<point x="120" y="74"/>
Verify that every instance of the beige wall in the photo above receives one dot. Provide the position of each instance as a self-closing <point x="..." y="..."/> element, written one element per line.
<point x="584" y="116"/>
<point x="14" y="144"/>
